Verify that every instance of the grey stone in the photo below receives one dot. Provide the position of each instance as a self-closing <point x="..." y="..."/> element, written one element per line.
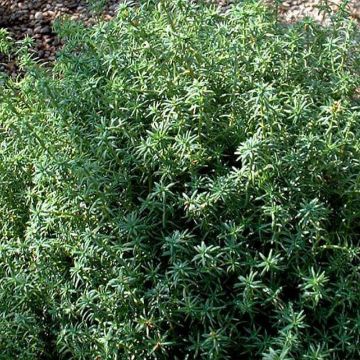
<point x="39" y="16"/>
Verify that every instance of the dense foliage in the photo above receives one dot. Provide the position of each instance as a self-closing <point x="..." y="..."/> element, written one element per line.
<point x="184" y="183"/>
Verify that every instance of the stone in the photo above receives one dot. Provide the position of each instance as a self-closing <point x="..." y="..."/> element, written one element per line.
<point x="38" y="29"/>
<point x="39" y="16"/>
<point x="45" y="30"/>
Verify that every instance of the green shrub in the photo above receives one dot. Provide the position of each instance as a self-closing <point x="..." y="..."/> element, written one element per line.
<point x="183" y="184"/>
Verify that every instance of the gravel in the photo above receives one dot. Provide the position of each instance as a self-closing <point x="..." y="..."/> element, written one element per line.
<point x="35" y="17"/>
<point x="294" y="10"/>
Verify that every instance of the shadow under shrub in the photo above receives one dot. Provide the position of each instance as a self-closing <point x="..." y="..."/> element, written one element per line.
<point x="183" y="184"/>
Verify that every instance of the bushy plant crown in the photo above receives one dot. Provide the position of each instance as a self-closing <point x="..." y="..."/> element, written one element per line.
<point x="183" y="184"/>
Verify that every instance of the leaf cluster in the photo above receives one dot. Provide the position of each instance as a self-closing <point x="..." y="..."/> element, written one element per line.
<point x="183" y="184"/>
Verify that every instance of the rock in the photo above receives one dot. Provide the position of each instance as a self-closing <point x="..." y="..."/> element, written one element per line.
<point x="45" y="30"/>
<point x="39" y="16"/>
<point x="50" y="13"/>
<point x="38" y="29"/>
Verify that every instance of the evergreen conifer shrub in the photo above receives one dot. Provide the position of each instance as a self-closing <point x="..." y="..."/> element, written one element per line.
<point x="183" y="184"/>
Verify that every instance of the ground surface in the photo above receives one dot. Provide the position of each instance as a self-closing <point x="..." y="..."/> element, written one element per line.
<point x="35" y="18"/>
<point x="293" y="10"/>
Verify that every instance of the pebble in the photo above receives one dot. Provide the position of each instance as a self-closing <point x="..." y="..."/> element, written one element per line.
<point x="45" y="30"/>
<point x="39" y="16"/>
<point x="38" y="29"/>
